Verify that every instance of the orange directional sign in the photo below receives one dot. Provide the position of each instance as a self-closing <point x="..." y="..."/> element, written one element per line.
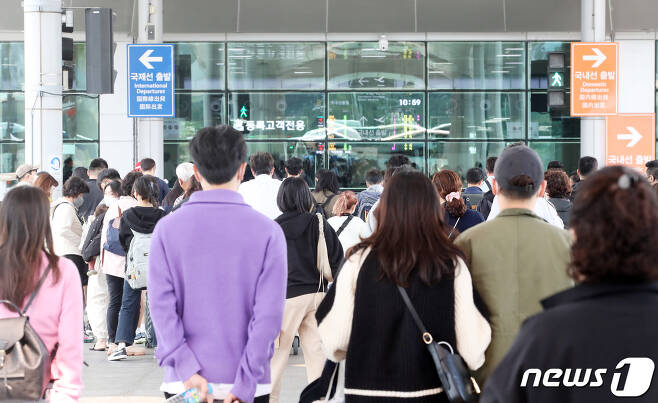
<point x="630" y="139"/>
<point x="594" y="78"/>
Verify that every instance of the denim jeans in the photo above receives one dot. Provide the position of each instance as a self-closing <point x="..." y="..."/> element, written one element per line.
<point x="129" y="315"/>
<point x="115" y="289"/>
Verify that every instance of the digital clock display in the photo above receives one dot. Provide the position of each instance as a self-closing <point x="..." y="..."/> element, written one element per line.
<point x="410" y="102"/>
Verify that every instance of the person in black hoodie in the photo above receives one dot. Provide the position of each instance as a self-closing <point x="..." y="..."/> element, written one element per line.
<point x="595" y="342"/>
<point x="142" y="219"/>
<point x="306" y="286"/>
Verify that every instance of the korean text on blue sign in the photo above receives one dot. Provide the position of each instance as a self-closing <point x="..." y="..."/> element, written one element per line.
<point x="151" y="80"/>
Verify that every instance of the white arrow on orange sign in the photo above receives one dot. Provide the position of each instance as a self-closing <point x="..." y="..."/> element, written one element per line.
<point x="598" y="58"/>
<point x="634" y="136"/>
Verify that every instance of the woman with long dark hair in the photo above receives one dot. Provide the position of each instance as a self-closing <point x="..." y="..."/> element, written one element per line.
<point x="458" y="216"/>
<point x="326" y="191"/>
<point x="306" y="286"/>
<point x="137" y="221"/>
<point x="363" y="319"/>
<point x="26" y="245"/>
<point x="608" y="320"/>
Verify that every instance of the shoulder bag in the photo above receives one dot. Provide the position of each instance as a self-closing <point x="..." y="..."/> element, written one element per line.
<point x="323" y="256"/>
<point x="457" y="382"/>
<point x="24" y="358"/>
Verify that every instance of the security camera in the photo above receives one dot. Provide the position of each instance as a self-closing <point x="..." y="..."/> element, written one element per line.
<point x="383" y="43"/>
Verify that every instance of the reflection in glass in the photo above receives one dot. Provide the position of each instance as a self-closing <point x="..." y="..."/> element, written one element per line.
<point x="82" y="153"/>
<point x="538" y="59"/>
<point x="476" y="115"/>
<point x="199" y="66"/>
<point x="12" y="66"/>
<point x="476" y="65"/>
<point x="567" y="153"/>
<point x="461" y="156"/>
<point x="282" y="115"/>
<point x="361" y="65"/>
<point x="79" y="118"/>
<point x="12" y="116"/>
<point x="194" y="111"/>
<point x="381" y="116"/>
<point x="11" y="156"/>
<point x="312" y="155"/>
<point x="174" y="154"/>
<point x="79" y="66"/>
<point x="351" y="161"/>
<point x="276" y="66"/>
<point x="556" y="123"/>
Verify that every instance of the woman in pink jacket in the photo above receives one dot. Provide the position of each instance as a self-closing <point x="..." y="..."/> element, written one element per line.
<point x="56" y="311"/>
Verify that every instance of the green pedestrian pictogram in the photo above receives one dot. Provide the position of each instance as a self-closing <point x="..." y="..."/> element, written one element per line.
<point x="243" y="112"/>
<point x="557" y="79"/>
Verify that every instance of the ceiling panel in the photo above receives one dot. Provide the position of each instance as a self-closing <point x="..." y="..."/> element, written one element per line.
<point x="282" y="16"/>
<point x="11" y="17"/>
<point x="200" y="16"/>
<point x="542" y="16"/>
<point x="635" y="15"/>
<point x="460" y="16"/>
<point x="371" y="16"/>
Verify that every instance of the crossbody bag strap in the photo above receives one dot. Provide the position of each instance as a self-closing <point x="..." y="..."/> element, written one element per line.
<point x="36" y="290"/>
<point x="345" y="224"/>
<point x="454" y="227"/>
<point x="427" y="337"/>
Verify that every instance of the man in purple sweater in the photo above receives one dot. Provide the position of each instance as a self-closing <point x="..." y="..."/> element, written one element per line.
<point x="217" y="281"/>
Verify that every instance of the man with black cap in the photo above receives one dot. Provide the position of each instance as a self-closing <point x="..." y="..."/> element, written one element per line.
<point x="517" y="259"/>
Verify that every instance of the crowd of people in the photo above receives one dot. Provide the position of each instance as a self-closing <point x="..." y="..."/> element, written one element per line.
<point x="512" y="267"/>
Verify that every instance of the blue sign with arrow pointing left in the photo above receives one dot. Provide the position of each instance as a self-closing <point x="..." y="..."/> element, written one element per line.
<point x="151" y="80"/>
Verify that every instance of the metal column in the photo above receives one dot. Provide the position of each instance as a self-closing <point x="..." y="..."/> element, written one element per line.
<point x="592" y="129"/>
<point x="150" y="138"/>
<point x="43" y="85"/>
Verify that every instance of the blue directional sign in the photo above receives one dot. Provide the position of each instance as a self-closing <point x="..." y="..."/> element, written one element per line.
<point x="151" y="80"/>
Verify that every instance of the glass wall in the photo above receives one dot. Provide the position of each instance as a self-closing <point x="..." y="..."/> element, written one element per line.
<point x="80" y="115"/>
<point x="349" y="106"/>
<point x="12" y="106"/>
<point x="276" y="66"/>
<point x="80" y="111"/>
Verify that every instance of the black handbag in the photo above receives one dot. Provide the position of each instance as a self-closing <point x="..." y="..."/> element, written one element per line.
<point x="24" y="358"/>
<point x="456" y="380"/>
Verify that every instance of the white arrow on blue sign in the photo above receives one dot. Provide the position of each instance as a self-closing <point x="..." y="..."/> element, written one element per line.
<point x="151" y="80"/>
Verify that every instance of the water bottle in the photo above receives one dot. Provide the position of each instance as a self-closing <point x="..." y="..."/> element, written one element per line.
<point x="189" y="396"/>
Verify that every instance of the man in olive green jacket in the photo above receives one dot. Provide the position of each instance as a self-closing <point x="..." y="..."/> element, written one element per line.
<point x="517" y="259"/>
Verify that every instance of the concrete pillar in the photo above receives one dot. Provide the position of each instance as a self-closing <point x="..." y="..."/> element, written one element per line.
<point x="43" y="85"/>
<point x="150" y="133"/>
<point x="592" y="129"/>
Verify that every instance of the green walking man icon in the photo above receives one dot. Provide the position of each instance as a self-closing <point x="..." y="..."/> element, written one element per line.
<point x="556" y="80"/>
<point x="243" y="112"/>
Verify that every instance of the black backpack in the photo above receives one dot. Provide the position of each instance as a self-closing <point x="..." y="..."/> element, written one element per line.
<point x="319" y="207"/>
<point x="484" y="207"/>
